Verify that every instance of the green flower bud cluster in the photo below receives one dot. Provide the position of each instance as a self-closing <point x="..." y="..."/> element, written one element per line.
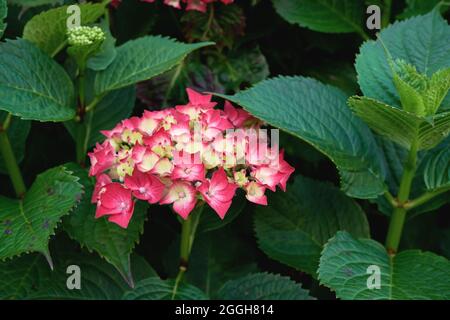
<point x="83" y="36"/>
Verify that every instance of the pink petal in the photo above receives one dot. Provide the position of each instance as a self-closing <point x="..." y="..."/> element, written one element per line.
<point x="123" y="219"/>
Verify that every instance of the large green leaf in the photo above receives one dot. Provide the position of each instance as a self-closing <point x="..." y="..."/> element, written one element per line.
<point x="421" y="41"/>
<point x="295" y="226"/>
<point x="263" y="286"/>
<point x="18" y="131"/>
<point x="156" y="289"/>
<point x="26" y="225"/>
<point x="142" y="59"/>
<point x="113" y="108"/>
<point x="437" y="168"/>
<point x="209" y="268"/>
<point x="32" y="85"/>
<point x="33" y="3"/>
<point x="3" y="14"/>
<point x="401" y="126"/>
<point x="110" y="241"/>
<point x="48" y="30"/>
<point x="417" y="7"/>
<point x="318" y="114"/>
<point x="411" y="274"/>
<point x="29" y="277"/>
<point x="331" y="16"/>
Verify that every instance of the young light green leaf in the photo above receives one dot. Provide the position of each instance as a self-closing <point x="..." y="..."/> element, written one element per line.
<point x="439" y="87"/>
<point x="297" y="224"/>
<point x="396" y="124"/>
<point x="410" y="84"/>
<point x="26" y="225"/>
<point x="141" y="59"/>
<point x="401" y="126"/>
<point x="421" y="41"/>
<point x="48" y="30"/>
<point x="329" y="16"/>
<point x="114" y="107"/>
<point x="17" y="132"/>
<point x="350" y="268"/>
<point x="156" y="289"/>
<point x="318" y="114"/>
<point x="110" y="241"/>
<point x="263" y="286"/>
<point x="3" y="14"/>
<point x="437" y="168"/>
<point x="32" y="85"/>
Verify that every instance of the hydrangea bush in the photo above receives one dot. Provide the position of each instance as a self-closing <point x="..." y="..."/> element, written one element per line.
<point x="148" y="152"/>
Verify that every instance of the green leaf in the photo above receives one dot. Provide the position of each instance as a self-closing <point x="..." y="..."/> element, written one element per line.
<point x="26" y="225"/>
<point x="439" y="87"/>
<point x="142" y="59"/>
<point x="107" y="54"/>
<point x="241" y="67"/>
<point x="421" y="41"/>
<point x="33" y="3"/>
<point x="99" y="281"/>
<point x="156" y="289"/>
<point x="329" y="16"/>
<point x="209" y="221"/>
<point x="411" y="274"/>
<point x="110" y="241"/>
<point x="19" y="277"/>
<point x="409" y="84"/>
<point x="437" y="168"/>
<point x="17" y="132"/>
<point x="417" y="7"/>
<point x="225" y="29"/>
<point x="263" y="286"/>
<point x="209" y="268"/>
<point x="318" y="114"/>
<point x="401" y="126"/>
<point x="48" y="30"/>
<point x="295" y="226"/>
<point x="114" y="107"/>
<point x="3" y="14"/>
<point x="32" y="85"/>
<point x="29" y="277"/>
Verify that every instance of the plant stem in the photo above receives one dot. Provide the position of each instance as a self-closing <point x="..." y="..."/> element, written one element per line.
<point x="399" y="213"/>
<point x="10" y="160"/>
<point x="81" y="133"/>
<point x="424" y="198"/>
<point x="188" y="230"/>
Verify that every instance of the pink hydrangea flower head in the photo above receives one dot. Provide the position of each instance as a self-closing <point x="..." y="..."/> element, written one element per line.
<point x="182" y="154"/>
